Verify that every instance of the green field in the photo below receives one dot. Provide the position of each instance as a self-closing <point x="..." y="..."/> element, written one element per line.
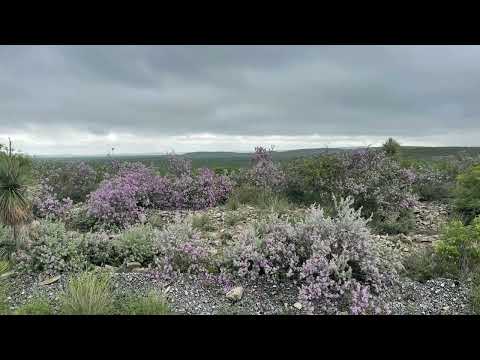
<point x="232" y="160"/>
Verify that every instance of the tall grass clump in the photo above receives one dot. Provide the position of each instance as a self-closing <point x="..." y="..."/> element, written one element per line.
<point x="87" y="294"/>
<point x="36" y="306"/>
<point x="154" y="303"/>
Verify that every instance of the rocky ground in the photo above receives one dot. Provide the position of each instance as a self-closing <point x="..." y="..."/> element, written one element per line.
<point x="189" y="294"/>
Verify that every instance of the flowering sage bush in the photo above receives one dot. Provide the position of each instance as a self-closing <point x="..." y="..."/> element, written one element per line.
<point x="263" y="173"/>
<point x="180" y="248"/>
<point x="48" y="204"/>
<point x="334" y="259"/>
<point x="377" y="182"/>
<point x="123" y="199"/>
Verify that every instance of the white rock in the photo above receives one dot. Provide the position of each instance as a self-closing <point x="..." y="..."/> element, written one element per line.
<point x="235" y="294"/>
<point x="298" y="306"/>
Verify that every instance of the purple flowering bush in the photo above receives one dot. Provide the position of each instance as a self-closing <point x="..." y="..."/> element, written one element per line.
<point x="72" y="180"/>
<point x="123" y="199"/>
<point x="334" y="259"/>
<point x="180" y="248"/>
<point x="263" y="173"/>
<point x="379" y="185"/>
<point x="48" y="204"/>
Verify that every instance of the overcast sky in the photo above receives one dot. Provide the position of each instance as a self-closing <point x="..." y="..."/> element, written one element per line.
<point x="150" y="99"/>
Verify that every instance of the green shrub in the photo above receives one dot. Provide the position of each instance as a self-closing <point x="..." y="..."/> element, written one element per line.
<point x="433" y="191"/>
<point x="36" y="306"/>
<point x="52" y="249"/>
<point x="152" y="304"/>
<point x="392" y="148"/>
<point x="402" y="223"/>
<point x="467" y="194"/>
<point x="79" y="219"/>
<point x="87" y="294"/>
<point x="425" y="265"/>
<point x="202" y="222"/>
<point x="460" y="245"/>
<point x="136" y="244"/>
<point x="261" y="198"/>
<point x="233" y="218"/>
<point x="156" y="221"/>
<point x="313" y="180"/>
<point x="100" y="250"/>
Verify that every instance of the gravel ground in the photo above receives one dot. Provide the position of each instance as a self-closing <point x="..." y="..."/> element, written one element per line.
<point x="190" y="295"/>
<point x="435" y="297"/>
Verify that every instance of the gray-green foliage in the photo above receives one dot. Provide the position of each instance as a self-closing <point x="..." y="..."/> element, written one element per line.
<point x="52" y="249"/>
<point x="136" y="244"/>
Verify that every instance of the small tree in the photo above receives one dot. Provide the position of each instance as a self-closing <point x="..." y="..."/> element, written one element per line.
<point x="14" y="178"/>
<point x="392" y="147"/>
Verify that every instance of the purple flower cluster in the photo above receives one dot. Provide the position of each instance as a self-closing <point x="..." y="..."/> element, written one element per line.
<point x="47" y="203"/>
<point x="263" y="173"/>
<point x="179" y="166"/>
<point x="122" y="199"/>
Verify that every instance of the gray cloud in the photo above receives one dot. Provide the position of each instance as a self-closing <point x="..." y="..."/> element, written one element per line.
<point x="412" y="92"/>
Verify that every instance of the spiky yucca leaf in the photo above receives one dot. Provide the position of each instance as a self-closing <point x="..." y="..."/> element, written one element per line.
<point x="14" y="178"/>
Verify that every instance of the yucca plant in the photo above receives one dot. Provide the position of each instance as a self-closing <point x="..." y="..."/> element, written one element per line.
<point x="14" y="179"/>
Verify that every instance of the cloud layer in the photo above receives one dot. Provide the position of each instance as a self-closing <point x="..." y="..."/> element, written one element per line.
<point x="85" y="99"/>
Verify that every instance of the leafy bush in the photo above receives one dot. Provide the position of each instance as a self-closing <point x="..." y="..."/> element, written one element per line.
<point x="36" y="306"/>
<point x="460" y="245"/>
<point x="152" y="304"/>
<point x="402" y="222"/>
<point x="100" y="249"/>
<point x="456" y="255"/>
<point x="72" y="180"/>
<point x="392" y="148"/>
<point x="79" y="219"/>
<point x="234" y="217"/>
<point x="258" y="197"/>
<point x="179" y="248"/>
<point x="377" y="182"/>
<point x="51" y="249"/>
<point x="202" y="222"/>
<point x="136" y="244"/>
<point x="335" y="259"/>
<point x="87" y="294"/>
<point x="425" y="265"/>
<point x="467" y="194"/>
<point x="263" y="174"/>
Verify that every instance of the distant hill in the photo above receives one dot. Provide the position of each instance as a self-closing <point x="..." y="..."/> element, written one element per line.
<point x="238" y="160"/>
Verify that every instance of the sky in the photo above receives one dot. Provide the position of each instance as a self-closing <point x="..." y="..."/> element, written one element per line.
<point x="84" y="100"/>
